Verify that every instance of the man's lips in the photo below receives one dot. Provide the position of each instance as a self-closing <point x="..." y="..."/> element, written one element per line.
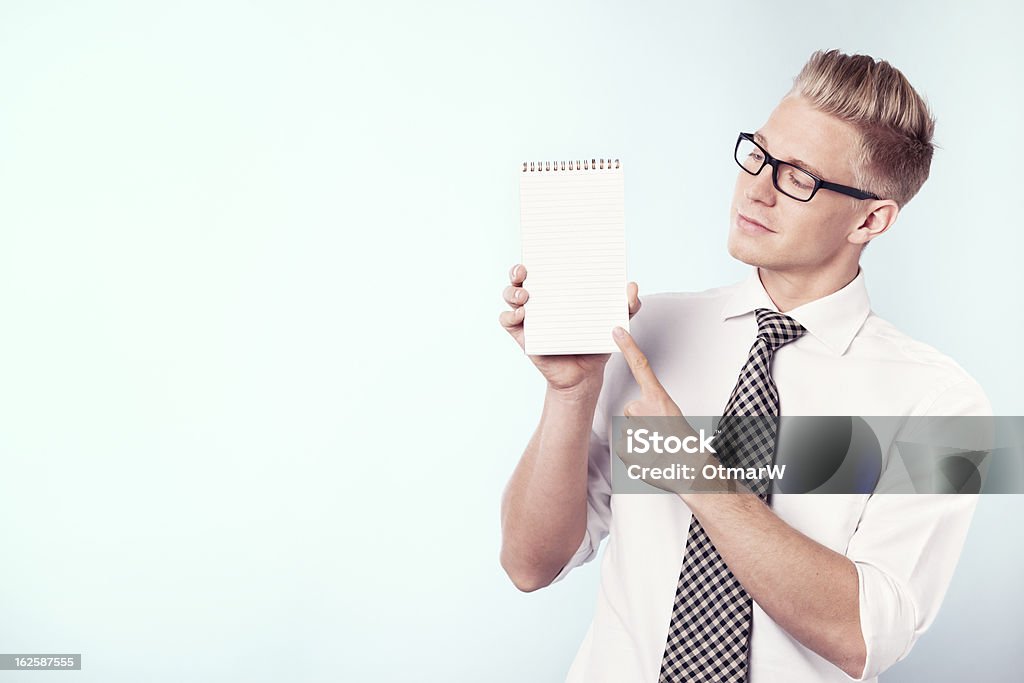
<point x="750" y="224"/>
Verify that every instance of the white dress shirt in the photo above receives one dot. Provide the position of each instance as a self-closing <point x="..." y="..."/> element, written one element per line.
<point x="850" y="362"/>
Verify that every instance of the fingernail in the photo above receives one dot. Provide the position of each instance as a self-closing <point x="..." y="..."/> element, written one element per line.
<point x="619" y="333"/>
<point x="518" y="295"/>
<point x="515" y="270"/>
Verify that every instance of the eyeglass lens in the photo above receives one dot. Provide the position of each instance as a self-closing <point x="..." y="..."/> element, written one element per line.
<point x="787" y="178"/>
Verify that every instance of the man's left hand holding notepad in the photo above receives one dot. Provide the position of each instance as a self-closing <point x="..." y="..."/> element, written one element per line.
<point x="563" y="371"/>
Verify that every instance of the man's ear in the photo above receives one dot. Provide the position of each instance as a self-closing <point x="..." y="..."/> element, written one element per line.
<point x="881" y="216"/>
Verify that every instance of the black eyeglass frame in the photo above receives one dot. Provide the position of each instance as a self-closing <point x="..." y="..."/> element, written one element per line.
<point x="769" y="160"/>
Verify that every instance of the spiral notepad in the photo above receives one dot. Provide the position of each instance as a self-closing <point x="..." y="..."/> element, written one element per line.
<point x="572" y="218"/>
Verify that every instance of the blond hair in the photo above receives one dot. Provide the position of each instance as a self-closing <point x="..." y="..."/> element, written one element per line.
<point x="893" y="120"/>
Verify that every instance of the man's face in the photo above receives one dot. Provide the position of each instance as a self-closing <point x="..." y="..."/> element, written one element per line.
<point x="773" y="231"/>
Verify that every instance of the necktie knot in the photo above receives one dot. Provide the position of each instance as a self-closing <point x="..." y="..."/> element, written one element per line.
<point x="777" y="329"/>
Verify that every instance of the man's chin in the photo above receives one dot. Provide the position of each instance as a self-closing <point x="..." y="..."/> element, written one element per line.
<point x="746" y="253"/>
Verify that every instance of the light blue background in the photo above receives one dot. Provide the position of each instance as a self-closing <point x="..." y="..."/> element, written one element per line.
<point x="256" y="411"/>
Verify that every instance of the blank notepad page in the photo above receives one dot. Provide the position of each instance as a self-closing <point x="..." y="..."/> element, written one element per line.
<point x="572" y="216"/>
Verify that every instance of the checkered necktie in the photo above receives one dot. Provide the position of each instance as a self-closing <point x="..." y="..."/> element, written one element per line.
<point x="707" y="637"/>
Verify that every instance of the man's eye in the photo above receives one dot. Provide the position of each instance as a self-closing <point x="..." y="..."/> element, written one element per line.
<point x="801" y="181"/>
<point x="756" y="156"/>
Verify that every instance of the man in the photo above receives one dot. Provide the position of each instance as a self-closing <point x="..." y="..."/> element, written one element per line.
<point x="737" y="587"/>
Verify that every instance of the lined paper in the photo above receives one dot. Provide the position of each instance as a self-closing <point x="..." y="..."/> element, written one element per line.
<point x="574" y="250"/>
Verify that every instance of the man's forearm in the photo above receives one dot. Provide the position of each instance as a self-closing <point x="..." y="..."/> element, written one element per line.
<point x="544" y="511"/>
<point x="809" y="590"/>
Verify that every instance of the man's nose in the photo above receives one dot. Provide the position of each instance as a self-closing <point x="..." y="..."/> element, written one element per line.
<point x="760" y="188"/>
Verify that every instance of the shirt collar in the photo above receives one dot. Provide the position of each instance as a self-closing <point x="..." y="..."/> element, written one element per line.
<point x="834" y="319"/>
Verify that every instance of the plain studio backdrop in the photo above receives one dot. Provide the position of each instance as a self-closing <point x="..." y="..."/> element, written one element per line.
<point x="256" y="411"/>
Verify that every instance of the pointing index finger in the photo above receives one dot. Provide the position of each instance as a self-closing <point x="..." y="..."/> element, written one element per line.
<point x="637" y="361"/>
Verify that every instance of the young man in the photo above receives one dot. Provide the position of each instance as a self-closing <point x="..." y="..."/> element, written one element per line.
<point x="798" y="588"/>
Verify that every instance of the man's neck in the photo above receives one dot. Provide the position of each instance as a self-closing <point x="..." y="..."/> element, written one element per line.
<point x="789" y="290"/>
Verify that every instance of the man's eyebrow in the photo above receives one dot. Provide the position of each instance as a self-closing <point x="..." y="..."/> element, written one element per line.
<point x="763" y="141"/>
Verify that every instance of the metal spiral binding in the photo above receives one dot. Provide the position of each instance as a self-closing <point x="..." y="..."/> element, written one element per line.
<point x="584" y="165"/>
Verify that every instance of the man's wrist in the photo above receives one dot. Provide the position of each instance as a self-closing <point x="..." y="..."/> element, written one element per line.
<point x="586" y="391"/>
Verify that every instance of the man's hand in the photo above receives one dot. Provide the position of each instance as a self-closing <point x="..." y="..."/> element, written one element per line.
<point x="654" y="403"/>
<point x="650" y="412"/>
<point x="567" y="374"/>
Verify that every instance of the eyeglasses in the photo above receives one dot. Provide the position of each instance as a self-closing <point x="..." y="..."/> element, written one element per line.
<point x="788" y="179"/>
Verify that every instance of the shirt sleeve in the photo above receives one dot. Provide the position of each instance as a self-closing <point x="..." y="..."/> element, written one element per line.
<point x="906" y="548"/>
<point x="599" y="494"/>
